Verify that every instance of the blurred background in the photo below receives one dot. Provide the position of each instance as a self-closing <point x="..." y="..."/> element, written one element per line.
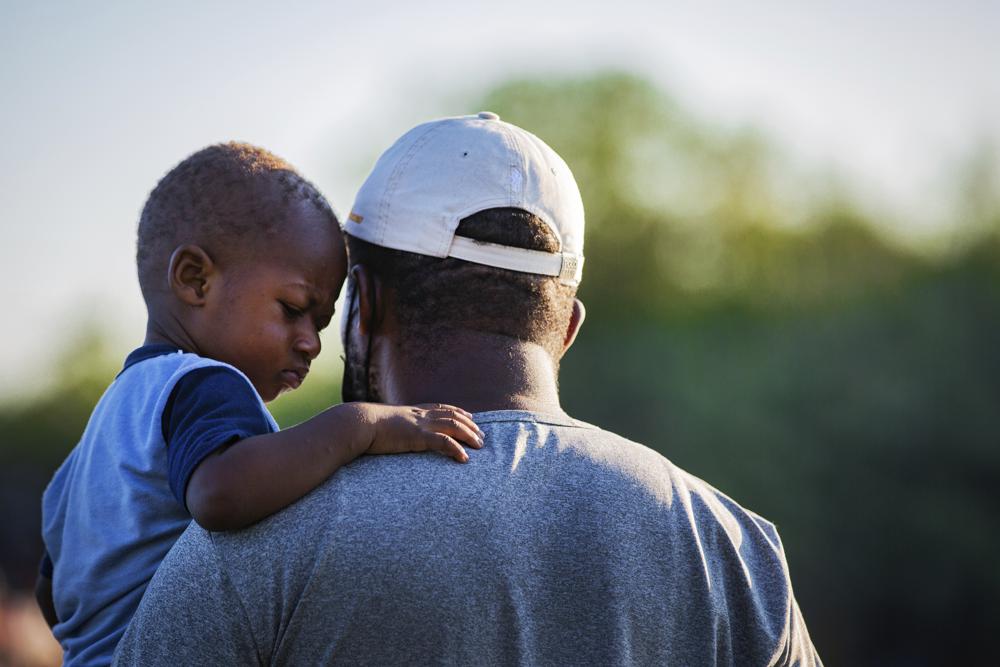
<point x="793" y="249"/>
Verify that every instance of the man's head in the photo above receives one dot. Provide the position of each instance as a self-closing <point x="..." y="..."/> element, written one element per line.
<point x="471" y="226"/>
<point x="240" y="259"/>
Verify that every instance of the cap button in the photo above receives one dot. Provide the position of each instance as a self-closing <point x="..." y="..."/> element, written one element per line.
<point x="488" y="115"/>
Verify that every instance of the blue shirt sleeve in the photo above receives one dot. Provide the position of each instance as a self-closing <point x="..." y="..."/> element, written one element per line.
<point x="209" y="408"/>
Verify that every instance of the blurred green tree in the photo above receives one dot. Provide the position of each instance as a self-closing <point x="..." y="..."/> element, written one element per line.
<point x="754" y="326"/>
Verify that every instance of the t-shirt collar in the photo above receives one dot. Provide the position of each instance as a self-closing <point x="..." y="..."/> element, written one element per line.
<point x="148" y="352"/>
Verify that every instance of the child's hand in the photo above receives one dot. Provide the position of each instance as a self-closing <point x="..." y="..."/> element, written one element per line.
<point x="428" y="427"/>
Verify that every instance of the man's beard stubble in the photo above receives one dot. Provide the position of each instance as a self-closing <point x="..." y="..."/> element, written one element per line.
<point x="360" y="378"/>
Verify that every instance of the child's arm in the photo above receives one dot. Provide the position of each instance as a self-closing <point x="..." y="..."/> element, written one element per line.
<point x="254" y="478"/>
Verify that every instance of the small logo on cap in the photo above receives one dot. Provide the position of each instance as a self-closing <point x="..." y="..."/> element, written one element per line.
<point x="354" y="217"/>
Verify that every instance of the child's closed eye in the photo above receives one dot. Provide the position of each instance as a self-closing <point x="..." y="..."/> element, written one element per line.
<point x="291" y="312"/>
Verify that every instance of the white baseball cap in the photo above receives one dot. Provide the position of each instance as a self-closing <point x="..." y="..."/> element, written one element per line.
<point x="443" y="171"/>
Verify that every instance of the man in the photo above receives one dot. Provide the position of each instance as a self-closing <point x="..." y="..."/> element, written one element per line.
<point x="559" y="543"/>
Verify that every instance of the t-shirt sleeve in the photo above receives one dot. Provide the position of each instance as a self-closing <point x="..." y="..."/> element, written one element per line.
<point x="798" y="649"/>
<point x="795" y="648"/>
<point x="208" y="408"/>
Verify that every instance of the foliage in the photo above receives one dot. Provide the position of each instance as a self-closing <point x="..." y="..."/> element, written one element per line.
<point x="752" y="325"/>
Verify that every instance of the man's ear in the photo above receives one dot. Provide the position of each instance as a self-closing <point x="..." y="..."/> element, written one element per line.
<point x="189" y="274"/>
<point x="371" y="304"/>
<point x="575" y="322"/>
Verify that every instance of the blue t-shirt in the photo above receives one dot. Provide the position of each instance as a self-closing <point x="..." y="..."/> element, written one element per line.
<point x="209" y="409"/>
<point x="116" y="505"/>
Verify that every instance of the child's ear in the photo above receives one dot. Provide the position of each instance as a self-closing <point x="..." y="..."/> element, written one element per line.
<point x="189" y="274"/>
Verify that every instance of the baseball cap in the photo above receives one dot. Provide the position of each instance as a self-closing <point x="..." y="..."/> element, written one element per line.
<point x="448" y="169"/>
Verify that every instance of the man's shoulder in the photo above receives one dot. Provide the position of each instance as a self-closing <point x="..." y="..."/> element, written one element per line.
<point x="545" y="499"/>
<point x="604" y="448"/>
<point x="644" y="481"/>
<point x="533" y="466"/>
<point x="529" y="457"/>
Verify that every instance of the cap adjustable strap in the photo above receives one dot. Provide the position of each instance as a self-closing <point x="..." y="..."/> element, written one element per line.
<point x="567" y="266"/>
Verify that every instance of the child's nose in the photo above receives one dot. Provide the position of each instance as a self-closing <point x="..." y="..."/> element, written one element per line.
<point x="309" y="343"/>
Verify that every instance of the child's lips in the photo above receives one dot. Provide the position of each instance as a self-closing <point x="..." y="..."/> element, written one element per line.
<point x="293" y="377"/>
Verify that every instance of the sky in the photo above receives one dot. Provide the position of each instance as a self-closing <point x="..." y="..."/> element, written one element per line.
<point x="100" y="99"/>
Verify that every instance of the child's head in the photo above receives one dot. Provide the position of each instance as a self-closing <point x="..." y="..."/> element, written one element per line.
<point x="240" y="259"/>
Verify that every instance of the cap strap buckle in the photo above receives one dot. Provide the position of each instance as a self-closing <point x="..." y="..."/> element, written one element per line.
<point x="571" y="269"/>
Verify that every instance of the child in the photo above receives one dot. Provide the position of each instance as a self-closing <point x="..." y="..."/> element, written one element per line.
<point x="240" y="261"/>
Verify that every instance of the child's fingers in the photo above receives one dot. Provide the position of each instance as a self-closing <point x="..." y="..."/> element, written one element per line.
<point x="459" y="416"/>
<point x="458" y="429"/>
<point x="439" y="442"/>
<point x="444" y="406"/>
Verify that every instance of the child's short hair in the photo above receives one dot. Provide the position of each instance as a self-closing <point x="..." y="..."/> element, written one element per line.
<point x="220" y="194"/>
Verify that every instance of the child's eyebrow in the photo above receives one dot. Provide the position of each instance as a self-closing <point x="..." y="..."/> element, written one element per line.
<point x="305" y="287"/>
<point x="311" y="293"/>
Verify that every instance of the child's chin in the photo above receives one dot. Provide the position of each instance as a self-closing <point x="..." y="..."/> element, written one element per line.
<point x="290" y="381"/>
<point x="272" y="394"/>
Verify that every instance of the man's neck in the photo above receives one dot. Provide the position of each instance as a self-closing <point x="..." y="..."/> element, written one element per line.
<point x="478" y="373"/>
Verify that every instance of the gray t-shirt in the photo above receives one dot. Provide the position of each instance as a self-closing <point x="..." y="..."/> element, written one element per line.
<point x="557" y="544"/>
